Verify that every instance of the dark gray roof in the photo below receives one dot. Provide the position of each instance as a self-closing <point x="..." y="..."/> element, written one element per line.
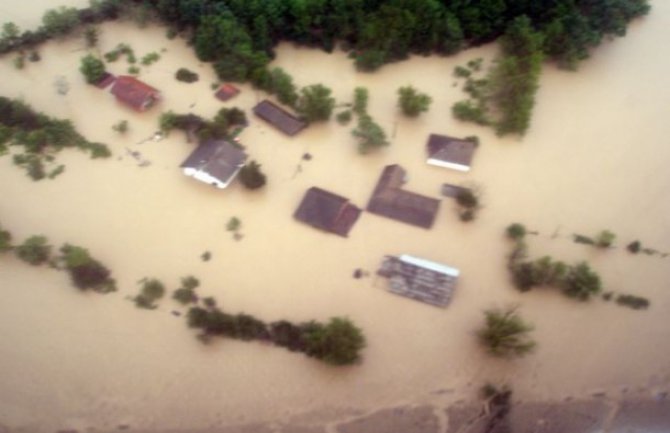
<point x="327" y="211"/>
<point x="279" y="118"/>
<point x="419" y="279"/>
<point x="450" y="149"/>
<point x="389" y="200"/>
<point x="218" y="158"/>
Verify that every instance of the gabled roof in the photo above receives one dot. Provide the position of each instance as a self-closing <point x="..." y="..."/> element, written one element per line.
<point x="226" y="92"/>
<point x="327" y="211"/>
<point x="420" y="279"/>
<point x="134" y="92"/>
<point x="450" y="152"/>
<point x="389" y="200"/>
<point x="215" y="162"/>
<point x="279" y="118"/>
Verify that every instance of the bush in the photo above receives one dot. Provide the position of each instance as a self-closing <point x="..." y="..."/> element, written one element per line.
<point x="5" y="240"/>
<point x="468" y="111"/>
<point x="251" y="176"/>
<point x="61" y="21"/>
<point x="121" y="127"/>
<point x="92" y="68"/>
<point x="344" y="117"/>
<point x="315" y="103"/>
<point x="505" y="334"/>
<point x="186" y="76"/>
<point x="461" y="72"/>
<point x="186" y="293"/>
<point x="605" y="239"/>
<point x="152" y="290"/>
<point x="360" y="101"/>
<point x="371" y="60"/>
<point x="581" y="282"/>
<point x="516" y="231"/>
<point x="288" y="335"/>
<point x="86" y="272"/>
<point x="634" y="247"/>
<point x="337" y="343"/>
<point x="150" y="59"/>
<point x="233" y="224"/>
<point x="35" y="250"/>
<point x="369" y="134"/>
<point x="411" y="102"/>
<point x="632" y="301"/>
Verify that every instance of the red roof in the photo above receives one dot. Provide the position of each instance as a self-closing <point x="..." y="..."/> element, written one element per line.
<point x="226" y="91"/>
<point x="134" y="93"/>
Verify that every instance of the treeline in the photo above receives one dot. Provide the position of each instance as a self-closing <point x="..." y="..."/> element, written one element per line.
<point x="40" y="138"/>
<point x="337" y="342"/>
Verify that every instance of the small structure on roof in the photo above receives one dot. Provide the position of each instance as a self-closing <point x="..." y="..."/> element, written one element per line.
<point x="419" y="279"/>
<point x="450" y="152"/>
<point x="327" y="211"/>
<point x="226" y="91"/>
<point x="134" y="93"/>
<point x="215" y="162"/>
<point x="391" y="201"/>
<point x="279" y="118"/>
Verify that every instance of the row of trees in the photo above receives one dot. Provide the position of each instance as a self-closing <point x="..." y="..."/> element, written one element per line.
<point x="40" y="138"/>
<point x="337" y="342"/>
<point x="86" y="273"/>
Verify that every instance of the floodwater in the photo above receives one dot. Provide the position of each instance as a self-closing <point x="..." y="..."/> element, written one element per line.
<point x="595" y="158"/>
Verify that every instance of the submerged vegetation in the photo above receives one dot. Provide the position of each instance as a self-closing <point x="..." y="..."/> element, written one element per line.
<point x="40" y="138"/>
<point x="505" y="334"/>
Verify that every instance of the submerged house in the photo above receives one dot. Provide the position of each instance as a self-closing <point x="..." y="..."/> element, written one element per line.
<point x="134" y="93"/>
<point x="226" y="91"/>
<point x="215" y="162"/>
<point x="419" y="279"/>
<point x="279" y="118"/>
<point x="327" y="211"/>
<point x="390" y="200"/>
<point x="450" y="152"/>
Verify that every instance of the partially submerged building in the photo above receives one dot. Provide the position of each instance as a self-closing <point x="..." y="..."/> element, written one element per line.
<point x="327" y="211"/>
<point x="215" y="162"/>
<point x="419" y="279"/>
<point x="279" y="117"/>
<point x="390" y="200"/>
<point x="450" y="152"/>
<point x="226" y="91"/>
<point x="134" y="93"/>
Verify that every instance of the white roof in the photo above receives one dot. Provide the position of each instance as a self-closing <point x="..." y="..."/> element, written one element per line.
<point x="453" y="165"/>
<point x="427" y="264"/>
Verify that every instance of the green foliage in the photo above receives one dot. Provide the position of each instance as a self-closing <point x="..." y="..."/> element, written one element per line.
<point x="632" y="301"/>
<point x="20" y="61"/>
<point x="91" y="36"/>
<point x="92" y="68"/>
<point x="338" y="343"/>
<point x="35" y="250"/>
<point x="283" y="87"/>
<point x="86" y="272"/>
<point x="10" y="32"/>
<point x="343" y="117"/>
<point x="167" y="122"/>
<point x="369" y="134"/>
<point x="251" y="176"/>
<point x="5" y="240"/>
<point x="61" y="21"/>
<point x="315" y="103"/>
<point x="516" y="231"/>
<point x="469" y="111"/>
<point x="121" y="50"/>
<point x="505" y="334"/>
<point x="581" y="282"/>
<point x="133" y="70"/>
<point x="233" y="224"/>
<point x="580" y="239"/>
<point x="412" y="102"/>
<point x="634" y="247"/>
<point x="186" y="293"/>
<point x="121" y="127"/>
<point x="605" y="239"/>
<point x="360" y="106"/>
<point x="152" y="290"/>
<point x="461" y="72"/>
<point x="186" y="75"/>
<point x="469" y="202"/>
<point x="288" y="335"/>
<point x="150" y="58"/>
<point x="370" y="60"/>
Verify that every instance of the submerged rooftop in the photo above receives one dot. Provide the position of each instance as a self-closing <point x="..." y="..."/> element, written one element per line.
<point x="450" y="152"/>
<point x="327" y="211"/>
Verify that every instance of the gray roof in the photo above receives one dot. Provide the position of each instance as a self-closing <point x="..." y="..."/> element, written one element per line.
<point x="419" y="279"/>
<point x="450" y="149"/>
<point x="279" y="118"/>
<point x="218" y="158"/>
<point x="327" y="211"/>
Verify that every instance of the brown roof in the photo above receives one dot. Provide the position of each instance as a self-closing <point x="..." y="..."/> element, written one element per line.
<point x="279" y="118"/>
<point x="327" y="211"/>
<point x="226" y="92"/>
<point x="450" y="150"/>
<point x="134" y="92"/>
<point x="389" y="200"/>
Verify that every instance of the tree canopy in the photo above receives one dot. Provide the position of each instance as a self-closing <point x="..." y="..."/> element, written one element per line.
<point x="505" y="334"/>
<point x="315" y="103"/>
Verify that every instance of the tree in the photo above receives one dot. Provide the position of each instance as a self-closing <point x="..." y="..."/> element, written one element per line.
<point x="186" y="293"/>
<point x="92" y="68"/>
<point x="5" y="240"/>
<point x="505" y="334"/>
<point x="34" y="250"/>
<point x="152" y="290"/>
<point x="360" y="106"/>
<point x="251" y="176"/>
<point x="60" y="21"/>
<point x="91" y="36"/>
<point x="412" y="102"/>
<point x="10" y="32"/>
<point x="337" y="343"/>
<point x="86" y="272"/>
<point x="282" y="85"/>
<point x="582" y="282"/>
<point x="605" y="239"/>
<point x="369" y="134"/>
<point x="186" y="75"/>
<point x="316" y="103"/>
<point x="516" y="231"/>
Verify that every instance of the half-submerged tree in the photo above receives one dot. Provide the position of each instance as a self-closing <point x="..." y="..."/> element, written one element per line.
<point x="369" y="134"/>
<point x="251" y="175"/>
<point x="315" y="103"/>
<point x="35" y="250"/>
<point x="186" y="293"/>
<point x="86" y="272"/>
<point x="5" y="240"/>
<point x="581" y="282"/>
<point x="505" y="334"/>
<point x="411" y="102"/>
<point x="339" y="342"/>
<point x="92" y="68"/>
<point x="152" y="290"/>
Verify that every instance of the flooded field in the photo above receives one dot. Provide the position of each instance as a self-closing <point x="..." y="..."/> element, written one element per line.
<point x="595" y="158"/>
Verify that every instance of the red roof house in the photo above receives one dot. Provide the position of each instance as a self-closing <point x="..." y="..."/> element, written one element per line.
<point x="134" y="93"/>
<point x="226" y="92"/>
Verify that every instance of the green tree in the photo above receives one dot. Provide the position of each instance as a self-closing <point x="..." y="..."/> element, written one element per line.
<point x="605" y="239"/>
<point x="5" y="240"/>
<point x="369" y="134"/>
<point x="151" y="291"/>
<point x="85" y="271"/>
<point x="282" y="85"/>
<point x="316" y="103"/>
<point x="92" y="68"/>
<point x="10" y="32"/>
<point x="91" y="36"/>
<point x="60" y="21"/>
<point x="582" y="282"/>
<point x="505" y="334"/>
<point x="516" y="231"/>
<point x="412" y="102"/>
<point x="34" y="250"/>
<point x="360" y="105"/>
<point x="338" y="343"/>
<point x="251" y="176"/>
